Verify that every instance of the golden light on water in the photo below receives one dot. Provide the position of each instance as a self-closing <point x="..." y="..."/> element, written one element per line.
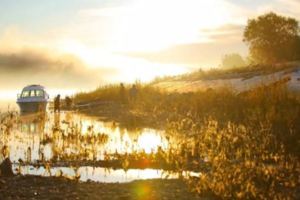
<point x="30" y="136"/>
<point x="131" y="96"/>
<point x="150" y="141"/>
<point x="122" y="140"/>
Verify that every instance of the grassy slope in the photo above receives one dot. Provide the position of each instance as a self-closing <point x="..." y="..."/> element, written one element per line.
<point x="242" y="72"/>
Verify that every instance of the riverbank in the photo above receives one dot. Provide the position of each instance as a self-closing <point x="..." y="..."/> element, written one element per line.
<point x="249" y="140"/>
<point x="124" y="114"/>
<point x="34" y="187"/>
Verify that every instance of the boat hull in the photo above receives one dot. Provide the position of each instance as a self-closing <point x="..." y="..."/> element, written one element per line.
<point x="32" y="107"/>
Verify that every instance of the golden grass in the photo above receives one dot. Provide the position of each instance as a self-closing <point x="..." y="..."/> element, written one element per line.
<point x="249" y="142"/>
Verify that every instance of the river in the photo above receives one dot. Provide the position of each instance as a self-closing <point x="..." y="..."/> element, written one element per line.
<point x="70" y="135"/>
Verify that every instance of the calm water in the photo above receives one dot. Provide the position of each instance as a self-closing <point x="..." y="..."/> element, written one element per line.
<point x="98" y="174"/>
<point x="71" y="135"/>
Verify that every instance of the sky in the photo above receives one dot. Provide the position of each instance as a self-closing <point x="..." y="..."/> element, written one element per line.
<point x="77" y="45"/>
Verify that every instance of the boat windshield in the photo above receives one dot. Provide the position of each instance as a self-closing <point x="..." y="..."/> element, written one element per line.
<point x="39" y="93"/>
<point x="32" y="93"/>
<point x="25" y="93"/>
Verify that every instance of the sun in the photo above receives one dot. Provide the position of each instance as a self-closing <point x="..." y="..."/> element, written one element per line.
<point x="148" y="27"/>
<point x="129" y="69"/>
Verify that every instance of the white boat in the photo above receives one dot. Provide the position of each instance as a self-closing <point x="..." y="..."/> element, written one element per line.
<point x="33" y="99"/>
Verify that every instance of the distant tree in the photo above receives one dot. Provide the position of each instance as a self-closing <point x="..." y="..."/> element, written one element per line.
<point x="272" y="38"/>
<point x="233" y="60"/>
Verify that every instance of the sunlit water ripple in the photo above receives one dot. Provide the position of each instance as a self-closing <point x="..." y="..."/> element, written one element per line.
<point x="34" y="140"/>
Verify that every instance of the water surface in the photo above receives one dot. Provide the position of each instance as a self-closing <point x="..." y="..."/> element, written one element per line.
<point x="68" y="135"/>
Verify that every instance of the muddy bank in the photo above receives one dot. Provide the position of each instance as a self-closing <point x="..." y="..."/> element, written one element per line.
<point x="33" y="187"/>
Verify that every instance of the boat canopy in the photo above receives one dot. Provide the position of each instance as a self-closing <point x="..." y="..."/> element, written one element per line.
<point x="33" y="93"/>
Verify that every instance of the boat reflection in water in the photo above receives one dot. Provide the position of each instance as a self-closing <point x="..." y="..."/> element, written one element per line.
<point x="32" y="123"/>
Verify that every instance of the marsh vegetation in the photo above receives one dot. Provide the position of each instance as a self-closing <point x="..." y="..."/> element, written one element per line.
<point x="245" y="145"/>
<point x="221" y="143"/>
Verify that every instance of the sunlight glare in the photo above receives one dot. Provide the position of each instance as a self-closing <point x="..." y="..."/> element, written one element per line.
<point x="154" y="25"/>
<point x="150" y="141"/>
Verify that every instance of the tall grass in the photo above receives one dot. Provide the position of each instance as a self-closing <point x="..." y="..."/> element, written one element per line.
<point x="108" y="93"/>
<point x="250" y="142"/>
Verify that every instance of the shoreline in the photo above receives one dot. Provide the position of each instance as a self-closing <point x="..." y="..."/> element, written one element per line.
<point x="35" y="187"/>
<point x="125" y="117"/>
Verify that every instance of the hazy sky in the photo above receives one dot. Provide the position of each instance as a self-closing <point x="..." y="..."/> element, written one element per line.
<point x="79" y="44"/>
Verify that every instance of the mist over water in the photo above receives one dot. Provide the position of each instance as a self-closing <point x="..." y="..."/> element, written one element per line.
<point x="6" y="105"/>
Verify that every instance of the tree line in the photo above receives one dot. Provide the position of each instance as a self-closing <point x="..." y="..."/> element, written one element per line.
<point x="271" y="39"/>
